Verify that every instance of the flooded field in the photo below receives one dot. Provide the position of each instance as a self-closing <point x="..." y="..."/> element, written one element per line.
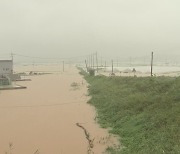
<point x="142" y="71"/>
<point x="42" y="119"/>
<point x="145" y="69"/>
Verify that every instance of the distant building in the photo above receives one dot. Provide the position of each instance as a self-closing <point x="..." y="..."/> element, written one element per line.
<point x="4" y="81"/>
<point x="6" y="68"/>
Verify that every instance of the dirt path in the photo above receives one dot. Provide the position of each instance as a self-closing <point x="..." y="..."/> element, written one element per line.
<point x="42" y="119"/>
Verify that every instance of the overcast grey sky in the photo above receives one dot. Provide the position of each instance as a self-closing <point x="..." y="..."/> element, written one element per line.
<point x="66" y="28"/>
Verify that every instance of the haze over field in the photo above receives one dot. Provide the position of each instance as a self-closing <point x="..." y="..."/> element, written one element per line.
<point x="89" y="76"/>
<point x="66" y="28"/>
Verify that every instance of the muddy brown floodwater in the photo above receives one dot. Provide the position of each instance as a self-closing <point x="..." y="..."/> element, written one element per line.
<point x="43" y="118"/>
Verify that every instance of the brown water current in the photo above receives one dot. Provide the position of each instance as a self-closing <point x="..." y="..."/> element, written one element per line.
<point x="43" y="118"/>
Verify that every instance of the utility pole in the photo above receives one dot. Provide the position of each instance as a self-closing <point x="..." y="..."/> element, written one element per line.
<point x="101" y="61"/>
<point x="112" y="67"/>
<point x="33" y="65"/>
<point x="87" y="61"/>
<point x="12" y="57"/>
<point x="97" y="61"/>
<point x="152" y="56"/>
<point x="130" y="61"/>
<point x="63" y="66"/>
<point x="117" y="62"/>
<point x="93" y="59"/>
<point x="86" y="65"/>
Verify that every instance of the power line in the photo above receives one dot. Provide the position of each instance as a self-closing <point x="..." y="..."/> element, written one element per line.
<point x="25" y="56"/>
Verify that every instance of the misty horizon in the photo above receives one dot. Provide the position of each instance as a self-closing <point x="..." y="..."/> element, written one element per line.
<point x="64" y="29"/>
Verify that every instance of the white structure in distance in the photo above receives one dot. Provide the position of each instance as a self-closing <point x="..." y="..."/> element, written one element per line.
<point x="6" y="68"/>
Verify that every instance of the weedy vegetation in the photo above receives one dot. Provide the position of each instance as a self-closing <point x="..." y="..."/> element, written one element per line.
<point x="11" y="147"/>
<point x="75" y="85"/>
<point x="144" y="112"/>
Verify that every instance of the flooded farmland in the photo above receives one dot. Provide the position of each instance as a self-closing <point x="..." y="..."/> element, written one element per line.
<point x="43" y="117"/>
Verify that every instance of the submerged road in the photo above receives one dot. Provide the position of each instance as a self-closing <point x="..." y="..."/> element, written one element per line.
<point x="43" y="118"/>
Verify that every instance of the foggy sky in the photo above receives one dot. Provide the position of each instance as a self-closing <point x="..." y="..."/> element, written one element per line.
<point x="66" y="28"/>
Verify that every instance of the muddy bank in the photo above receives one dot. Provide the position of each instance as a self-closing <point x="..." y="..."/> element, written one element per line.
<point x="43" y="118"/>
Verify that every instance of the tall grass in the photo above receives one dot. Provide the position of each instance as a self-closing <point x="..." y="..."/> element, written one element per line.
<point x="144" y="112"/>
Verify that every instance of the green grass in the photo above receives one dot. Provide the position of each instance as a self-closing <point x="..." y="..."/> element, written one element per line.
<point x="144" y="112"/>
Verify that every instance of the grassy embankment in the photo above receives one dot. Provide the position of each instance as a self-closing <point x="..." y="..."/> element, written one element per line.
<point x="144" y="112"/>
